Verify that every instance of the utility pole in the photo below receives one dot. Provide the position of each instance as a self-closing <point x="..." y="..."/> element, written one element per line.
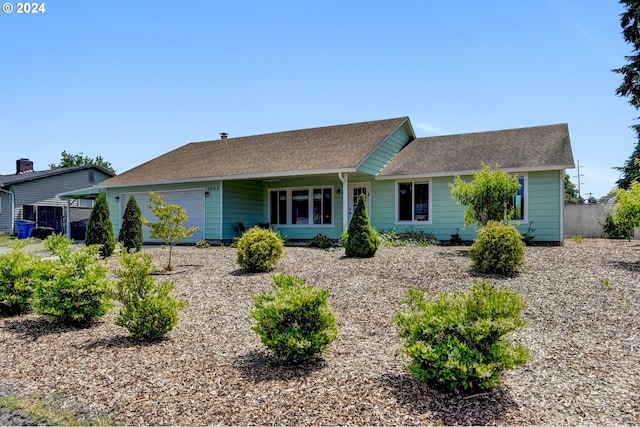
<point x="579" y="178"/>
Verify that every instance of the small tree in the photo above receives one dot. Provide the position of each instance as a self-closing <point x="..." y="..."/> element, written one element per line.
<point x="170" y="227"/>
<point x="131" y="235"/>
<point x="627" y="210"/>
<point x="489" y="197"/>
<point x="17" y="271"/>
<point x="362" y="240"/>
<point x="99" y="229"/>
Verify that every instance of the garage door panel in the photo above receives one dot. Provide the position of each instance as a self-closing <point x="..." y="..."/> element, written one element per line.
<point x="191" y="200"/>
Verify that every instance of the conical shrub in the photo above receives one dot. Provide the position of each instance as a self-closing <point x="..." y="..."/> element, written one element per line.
<point x="362" y="240"/>
<point x="130" y="234"/>
<point x="99" y="229"/>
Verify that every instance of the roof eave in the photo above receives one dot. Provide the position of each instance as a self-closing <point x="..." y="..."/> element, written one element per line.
<point x="258" y="176"/>
<point x="471" y="172"/>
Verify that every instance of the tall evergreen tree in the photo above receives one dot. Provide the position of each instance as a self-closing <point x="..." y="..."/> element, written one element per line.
<point x="99" y="229"/>
<point x="362" y="239"/>
<point x="630" y="86"/>
<point x="131" y="235"/>
<point x="570" y="192"/>
<point x="630" y="171"/>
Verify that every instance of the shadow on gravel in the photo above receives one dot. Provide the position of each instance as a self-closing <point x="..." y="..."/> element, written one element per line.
<point x="33" y="329"/>
<point x="259" y="366"/>
<point x="486" y="408"/>
<point x="625" y="265"/>
<point x="121" y="341"/>
<point x="459" y="253"/>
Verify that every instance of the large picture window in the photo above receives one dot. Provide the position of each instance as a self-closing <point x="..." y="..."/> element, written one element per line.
<point x="301" y="206"/>
<point x="413" y="201"/>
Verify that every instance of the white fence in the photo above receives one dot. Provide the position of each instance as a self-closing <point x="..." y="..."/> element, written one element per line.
<point x="586" y="220"/>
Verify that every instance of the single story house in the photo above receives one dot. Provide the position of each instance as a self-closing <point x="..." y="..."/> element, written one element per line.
<point x="305" y="182"/>
<point x="32" y="195"/>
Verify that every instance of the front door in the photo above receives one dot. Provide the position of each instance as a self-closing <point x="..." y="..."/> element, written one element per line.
<point x="355" y="190"/>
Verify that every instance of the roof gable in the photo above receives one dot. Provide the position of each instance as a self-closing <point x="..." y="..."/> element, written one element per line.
<point x="533" y="148"/>
<point x="316" y="150"/>
<point x="6" y="180"/>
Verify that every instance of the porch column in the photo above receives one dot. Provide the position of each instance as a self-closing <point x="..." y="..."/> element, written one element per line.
<point x="345" y="200"/>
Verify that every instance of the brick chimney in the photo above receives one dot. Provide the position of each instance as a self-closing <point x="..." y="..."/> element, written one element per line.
<point x="23" y="165"/>
<point x="223" y="135"/>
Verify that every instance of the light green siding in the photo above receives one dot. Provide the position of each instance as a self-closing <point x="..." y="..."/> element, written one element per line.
<point x="543" y="199"/>
<point x="383" y="154"/>
<point x="243" y="201"/>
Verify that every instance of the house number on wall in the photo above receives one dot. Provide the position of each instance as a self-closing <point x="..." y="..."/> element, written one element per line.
<point x="213" y="188"/>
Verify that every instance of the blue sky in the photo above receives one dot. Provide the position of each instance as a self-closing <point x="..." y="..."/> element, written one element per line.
<point x="131" y="80"/>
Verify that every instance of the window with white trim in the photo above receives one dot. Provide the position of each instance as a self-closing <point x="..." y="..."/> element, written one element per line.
<point x="301" y="206"/>
<point x="412" y="201"/>
<point x="519" y="202"/>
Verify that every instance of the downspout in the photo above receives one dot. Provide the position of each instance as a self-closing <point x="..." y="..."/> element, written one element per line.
<point x="345" y="200"/>
<point x="68" y="218"/>
<point x="562" y="189"/>
<point x="13" y="208"/>
<point x="221" y="216"/>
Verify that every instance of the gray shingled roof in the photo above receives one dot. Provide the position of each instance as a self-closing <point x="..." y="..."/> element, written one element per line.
<point x="526" y="149"/>
<point x="316" y="150"/>
<point x="13" y="179"/>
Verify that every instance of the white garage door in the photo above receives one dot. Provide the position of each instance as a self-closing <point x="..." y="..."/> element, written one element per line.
<point x="191" y="200"/>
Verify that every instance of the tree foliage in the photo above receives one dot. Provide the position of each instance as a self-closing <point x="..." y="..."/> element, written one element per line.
<point x="630" y="171"/>
<point x="70" y="160"/>
<point x="627" y="210"/>
<point x="170" y="226"/>
<point x="570" y="192"/>
<point x="488" y="197"/>
<point x="131" y="235"/>
<point x="99" y="229"/>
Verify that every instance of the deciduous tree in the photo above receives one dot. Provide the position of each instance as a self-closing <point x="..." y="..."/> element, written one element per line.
<point x="488" y="197"/>
<point x="170" y="226"/>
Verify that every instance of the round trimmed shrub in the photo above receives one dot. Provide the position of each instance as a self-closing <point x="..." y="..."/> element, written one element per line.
<point x="259" y="249"/>
<point x="74" y="289"/>
<point x="456" y="342"/>
<point x="498" y="249"/>
<point x="149" y="309"/>
<point x="294" y="320"/>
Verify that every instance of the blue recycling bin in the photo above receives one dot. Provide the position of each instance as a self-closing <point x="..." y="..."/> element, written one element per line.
<point x="25" y="228"/>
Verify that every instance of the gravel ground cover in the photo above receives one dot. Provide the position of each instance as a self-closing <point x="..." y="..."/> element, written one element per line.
<point x="583" y="313"/>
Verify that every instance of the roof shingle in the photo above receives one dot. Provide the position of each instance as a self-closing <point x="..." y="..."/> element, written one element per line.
<point x="532" y="148"/>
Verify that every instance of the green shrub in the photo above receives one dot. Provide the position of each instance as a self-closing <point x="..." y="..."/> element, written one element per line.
<point x="203" y="244"/>
<point x="259" y="249"/>
<point x="16" y="277"/>
<point x="294" y="320"/>
<point x="407" y="238"/>
<point x="615" y="230"/>
<point x="498" y="249"/>
<point x="73" y="289"/>
<point x="131" y="235"/>
<point x="361" y="240"/>
<point x="150" y="309"/>
<point x="456" y="342"/>
<point x="100" y="229"/>
<point x="321" y="241"/>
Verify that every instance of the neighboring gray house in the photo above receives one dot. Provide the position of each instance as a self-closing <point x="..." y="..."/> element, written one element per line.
<point x="31" y="195"/>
